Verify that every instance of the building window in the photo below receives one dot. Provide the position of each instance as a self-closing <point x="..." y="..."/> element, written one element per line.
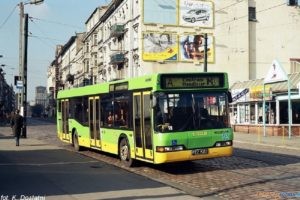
<point x="252" y="14"/>
<point x="87" y="47"/>
<point x="95" y="39"/>
<point x="87" y="66"/>
<point x="293" y="2"/>
<point x="95" y="60"/>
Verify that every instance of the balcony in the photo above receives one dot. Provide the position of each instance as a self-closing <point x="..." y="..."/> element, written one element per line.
<point x="117" y="58"/>
<point x="117" y="30"/>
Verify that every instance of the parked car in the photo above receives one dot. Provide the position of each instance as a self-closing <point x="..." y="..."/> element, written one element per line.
<point x="196" y="15"/>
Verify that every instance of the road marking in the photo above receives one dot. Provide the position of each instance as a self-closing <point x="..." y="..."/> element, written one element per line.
<point x="45" y="164"/>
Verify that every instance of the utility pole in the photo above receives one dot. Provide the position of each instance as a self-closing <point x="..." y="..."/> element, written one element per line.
<point x="23" y="46"/>
<point x="24" y="78"/>
<point x="21" y="37"/>
<point x="205" y="52"/>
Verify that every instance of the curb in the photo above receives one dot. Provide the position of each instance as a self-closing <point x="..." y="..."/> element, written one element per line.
<point x="267" y="145"/>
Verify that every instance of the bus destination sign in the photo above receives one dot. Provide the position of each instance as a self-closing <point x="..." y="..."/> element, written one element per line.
<point x="174" y="82"/>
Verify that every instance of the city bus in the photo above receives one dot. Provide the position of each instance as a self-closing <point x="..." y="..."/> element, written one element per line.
<point x="158" y="118"/>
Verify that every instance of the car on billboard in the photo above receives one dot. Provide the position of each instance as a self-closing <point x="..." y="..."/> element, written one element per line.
<point x="196" y="15"/>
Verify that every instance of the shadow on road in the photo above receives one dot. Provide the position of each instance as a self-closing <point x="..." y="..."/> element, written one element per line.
<point x="34" y="172"/>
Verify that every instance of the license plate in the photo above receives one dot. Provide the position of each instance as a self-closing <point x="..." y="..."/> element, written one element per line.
<point x="199" y="151"/>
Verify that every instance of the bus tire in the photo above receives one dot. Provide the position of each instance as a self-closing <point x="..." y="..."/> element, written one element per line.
<point x="124" y="153"/>
<point x="75" y="142"/>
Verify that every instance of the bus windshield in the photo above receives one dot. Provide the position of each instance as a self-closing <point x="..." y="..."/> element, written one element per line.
<point x="190" y="111"/>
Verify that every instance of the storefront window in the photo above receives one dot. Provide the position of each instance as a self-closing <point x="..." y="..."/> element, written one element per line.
<point x="296" y="111"/>
<point x="260" y="113"/>
<point x="244" y="113"/>
<point x="252" y="113"/>
<point x="284" y="117"/>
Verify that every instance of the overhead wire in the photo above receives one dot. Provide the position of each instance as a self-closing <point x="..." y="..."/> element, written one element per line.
<point x="260" y="11"/>
<point x="58" y="23"/>
<point x="8" y="17"/>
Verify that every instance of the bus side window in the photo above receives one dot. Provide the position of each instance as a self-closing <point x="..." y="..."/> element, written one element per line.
<point x="107" y="110"/>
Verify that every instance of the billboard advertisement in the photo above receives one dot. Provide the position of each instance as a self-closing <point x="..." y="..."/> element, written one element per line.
<point x="192" y="48"/>
<point x="160" y="46"/>
<point x="196" y="13"/>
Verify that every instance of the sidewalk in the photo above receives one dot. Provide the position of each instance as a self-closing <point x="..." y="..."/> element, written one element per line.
<point x="8" y="143"/>
<point x="292" y="143"/>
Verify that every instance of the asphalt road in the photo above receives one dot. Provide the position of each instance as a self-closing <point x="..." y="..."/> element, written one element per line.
<point x="39" y="170"/>
<point x="253" y="172"/>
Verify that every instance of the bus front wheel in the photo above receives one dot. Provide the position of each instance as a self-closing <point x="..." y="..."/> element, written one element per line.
<point x="75" y="142"/>
<point x="124" y="153"/>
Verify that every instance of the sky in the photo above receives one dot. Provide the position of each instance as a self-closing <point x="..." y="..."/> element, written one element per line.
<point x="51" y="23"/>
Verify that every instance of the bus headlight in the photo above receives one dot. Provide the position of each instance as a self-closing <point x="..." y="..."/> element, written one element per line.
<point x="169" y="148"/>
<point x="223" y="143"/>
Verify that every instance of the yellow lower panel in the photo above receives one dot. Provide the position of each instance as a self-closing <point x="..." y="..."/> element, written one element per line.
<point x="110" y="147"/>
<point x="84" y="142"/>
<point x="149" y="154"/>
<point x="187" y="155"/>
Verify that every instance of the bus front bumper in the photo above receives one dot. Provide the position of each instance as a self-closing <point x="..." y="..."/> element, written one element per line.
<point x="187" y="155"/>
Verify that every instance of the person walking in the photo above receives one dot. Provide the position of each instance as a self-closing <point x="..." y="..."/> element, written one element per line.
<point x="16" y="125"/>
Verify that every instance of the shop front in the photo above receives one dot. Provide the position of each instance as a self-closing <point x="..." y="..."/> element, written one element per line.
<point x="246" y="110"/>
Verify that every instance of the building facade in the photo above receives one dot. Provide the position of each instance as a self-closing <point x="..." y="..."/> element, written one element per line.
<point x="41" y="96"/>
<point x="7" y="99"/>
<point x="129" y="38"/>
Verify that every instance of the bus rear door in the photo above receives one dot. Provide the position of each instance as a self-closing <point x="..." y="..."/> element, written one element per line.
<point x="65" y="120"/>
<point x="94" y="122"/>
<point x="142" y="125"/>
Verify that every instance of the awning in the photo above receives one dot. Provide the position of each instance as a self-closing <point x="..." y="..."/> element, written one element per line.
<point x="276" y="87"/>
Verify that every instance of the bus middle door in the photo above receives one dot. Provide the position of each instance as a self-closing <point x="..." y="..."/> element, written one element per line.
<point x="65" y="120"/>
<point x="142" y="125"/>
<point x="94" y="121"/>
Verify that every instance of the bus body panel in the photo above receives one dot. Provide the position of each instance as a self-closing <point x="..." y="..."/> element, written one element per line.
<point x="208" y="138"/>
<point x="110" y="139"/>
<point x="82" y="133"/>
<point x="193" y="139"/>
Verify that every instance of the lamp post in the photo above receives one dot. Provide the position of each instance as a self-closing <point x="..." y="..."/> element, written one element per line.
<point x="23" y="41"/>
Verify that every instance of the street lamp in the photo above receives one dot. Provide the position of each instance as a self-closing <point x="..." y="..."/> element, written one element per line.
<point x="23" y="40"/>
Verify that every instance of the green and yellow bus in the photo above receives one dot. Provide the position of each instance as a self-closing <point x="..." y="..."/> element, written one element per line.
<point x="156" y="118"/>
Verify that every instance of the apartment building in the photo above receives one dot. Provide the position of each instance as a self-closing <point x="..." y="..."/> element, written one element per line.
<point x="7" y="99"/>
<point x="129" y="38"/>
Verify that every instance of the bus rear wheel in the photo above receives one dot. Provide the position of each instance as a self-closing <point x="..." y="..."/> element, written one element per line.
<point x="75" y="142"/>
<point x="124" y="153"/>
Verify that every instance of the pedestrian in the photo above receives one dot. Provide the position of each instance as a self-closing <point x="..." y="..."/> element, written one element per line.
<point x="16" y="125"/>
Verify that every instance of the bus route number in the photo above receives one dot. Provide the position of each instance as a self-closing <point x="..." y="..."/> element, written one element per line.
<point x="199" y="151"/>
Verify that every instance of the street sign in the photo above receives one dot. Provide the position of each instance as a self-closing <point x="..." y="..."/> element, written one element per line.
<point x="19" y="84"/>
<point x="275" y="74"/>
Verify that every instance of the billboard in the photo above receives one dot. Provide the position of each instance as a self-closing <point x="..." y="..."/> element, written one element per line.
<point x="192" y="13"/>
<point x="160" y="12"/>
<point x="160" y="46"/>
<point x="192" y="48"/>
<point x="196" y="13"/>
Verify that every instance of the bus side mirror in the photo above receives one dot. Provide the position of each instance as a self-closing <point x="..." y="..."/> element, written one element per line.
<point x="229" y="97"/>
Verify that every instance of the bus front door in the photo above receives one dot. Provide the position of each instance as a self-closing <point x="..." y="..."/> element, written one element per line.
<point x="142" y="125"/>
<point x="94" y="121"/>
<point x="65" y="120"/>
